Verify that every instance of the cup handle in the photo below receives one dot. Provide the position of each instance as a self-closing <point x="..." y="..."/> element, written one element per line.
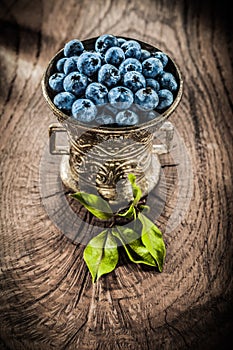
<point x="53" y="148"/>
<point x="168" y="128"/>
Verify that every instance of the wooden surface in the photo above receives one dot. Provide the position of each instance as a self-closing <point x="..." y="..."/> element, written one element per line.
<point x="47" y="299"/>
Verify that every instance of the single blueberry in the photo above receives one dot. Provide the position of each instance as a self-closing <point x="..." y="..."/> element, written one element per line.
<point x="165" y="99"/>
<point x="104" y="119"/>
<point x="89" y="63"/>
<point x="60" y="64"/>
<point x="134" y="81"/>
<point x="115" y="56"/>
<point x="121" y="41"/>
<point x="161" y="56"/>
<point x="167" y="81"/>
<point x="120" y="97"/>
<point x="97" y="93"/>
<point x="70" y="65"/>
<point x="104" y="42"/>
<point x="146" y="99"/>
<point x="151" y="67"/>
<point x="109" y="75"/>
<point x="56" y="82"/>
<point x="75" y="83"/>
<point x="73" y="48"/>
<point x="154" y="84"/>
<point x="84" y="110"/>
<point x="64" y="101"/>
<point x="132" y="49"/>
<point x="127" y="118"/>
<point x="144" y="55"/>
<point x="130" y="64"/>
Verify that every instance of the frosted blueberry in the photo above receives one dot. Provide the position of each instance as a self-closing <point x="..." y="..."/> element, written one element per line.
<point x="121" y="41"/>
<point x="84" y="110"/>
<point x="75" y="83"/>
<point x="154" y="84"/>
<point x="109" y="75"/>
<point x="127" y="118"/>
<point x="130" y="64"/>
<point x="56" y="82"/>
<point x="134" y="81"/>
<point x="167" y="81"/>
<point x="132" y="49"/>
<point x="89" y="63"/>
<point x="144" y="55"/>
<point x="64" y="101"/>
<point x="104" y="42"/>
<point x="146" y="99"/>
<point x="97" y="93"/>
<point x="165" y="99"/>
<point x="151" y="67"/>
<point x="70" y="65"/>
<point x="161" y="56"/>
<point x="120" y="97"/>
<point x="60" y="64"/>
<point x="114" y="56"/>
<point x="73" y="48"/>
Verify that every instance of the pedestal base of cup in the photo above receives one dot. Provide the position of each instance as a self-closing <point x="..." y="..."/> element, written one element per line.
<point x="123" y="189"/>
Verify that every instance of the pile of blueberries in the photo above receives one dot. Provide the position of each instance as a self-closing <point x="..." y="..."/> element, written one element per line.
<point x="116" y="83"/>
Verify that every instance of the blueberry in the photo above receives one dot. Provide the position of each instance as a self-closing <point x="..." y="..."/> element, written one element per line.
<point x="120" y="97"/>
<point x="114" y="55"/>
<point x="151" y="67"/>
<point x="73" y="48"/>
<point x="127" y="118"/>
<point x="154" y="84"/>
<point x="167" y="81"/>
<point x="70" y="65"/>
<point x="132" y="49"/>
<point x="109" y="75"/>
<point x="64" y="100"/>
<point x="146" y="99"/>
<point x="56" y="82"/>
<point x="161" y="56"/>
<point x="130" y="64"/>
<point x="75" y="83"/>
<point x="97" y="93"/>
<point x="165" y="99"/>
<point x="134" y="81"/>
<point x="144" y="55"/>
<point x="121" y="41"/>
<point x="89" y="63"/>
<point x="104" y="119"/>
<point x="84" y="110"/>
<point x="104" y="42"/>
<point x="60" y="64"/>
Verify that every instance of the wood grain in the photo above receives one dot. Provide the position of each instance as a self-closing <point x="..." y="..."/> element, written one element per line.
<point x="47" y="298"/>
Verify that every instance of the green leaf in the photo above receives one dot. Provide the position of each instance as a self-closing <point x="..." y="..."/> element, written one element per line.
<point x="137" y="193"/>
<point x="152" y="239"/>
<point x="95" y="204"/>
<point x="101" y="254"/>
<point x="133" y="246"/>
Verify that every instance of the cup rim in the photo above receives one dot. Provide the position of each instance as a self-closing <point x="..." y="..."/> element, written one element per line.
<point x="157" y="121"/>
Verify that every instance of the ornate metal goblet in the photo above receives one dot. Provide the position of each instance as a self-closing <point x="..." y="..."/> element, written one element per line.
<point x="99" y="158"/>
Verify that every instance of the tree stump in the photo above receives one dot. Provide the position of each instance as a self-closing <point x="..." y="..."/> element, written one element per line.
<point x="47" y="298"/>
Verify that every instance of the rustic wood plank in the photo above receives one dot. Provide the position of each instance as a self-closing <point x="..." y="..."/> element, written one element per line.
<point x="47" y="299"/>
